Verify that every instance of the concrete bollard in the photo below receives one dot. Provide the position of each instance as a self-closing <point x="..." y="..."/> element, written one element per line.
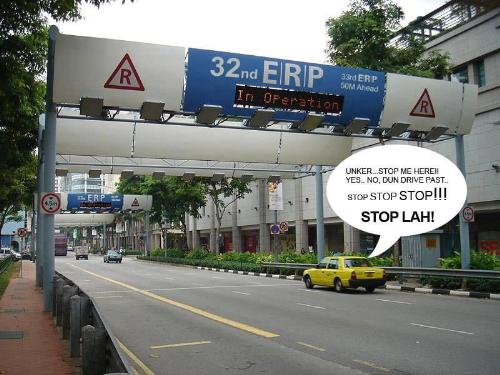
<point x="59" y="294"/>
<point x="75" y="326"/>
<point x="84" y="310"/>
<point x="54" y="286"/>
<point x="93" y="350"/>
<point x="68" y="292"/>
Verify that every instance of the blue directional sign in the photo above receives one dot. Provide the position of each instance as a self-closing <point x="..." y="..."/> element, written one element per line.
<point x="241" y="83"/>
<point x="94" y="202"/>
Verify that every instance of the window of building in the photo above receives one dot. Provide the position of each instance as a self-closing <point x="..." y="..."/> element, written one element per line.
<point x="460" y="75"/>
<point x="480" y="78"/>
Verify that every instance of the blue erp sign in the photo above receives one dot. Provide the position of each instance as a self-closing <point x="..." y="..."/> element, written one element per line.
<point x="95" y="202"/>
<point x="241" y="83"/>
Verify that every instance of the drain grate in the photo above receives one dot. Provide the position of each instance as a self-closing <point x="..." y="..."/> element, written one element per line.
<point x="13" y="311"/>
<point x="11" y="335"/>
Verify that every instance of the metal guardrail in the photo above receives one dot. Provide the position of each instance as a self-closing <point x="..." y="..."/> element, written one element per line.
<point x="443" y="272"/>
<point x="405" y="271"/>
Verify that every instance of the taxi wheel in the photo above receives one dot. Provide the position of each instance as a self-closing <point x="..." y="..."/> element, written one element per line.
<point x="339" y="288"/>
<point x="308" y="282"/>
<point x="370" y="289"/>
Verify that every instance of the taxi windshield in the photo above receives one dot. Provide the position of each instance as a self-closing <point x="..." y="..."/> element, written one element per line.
<point x="356" y="262"/>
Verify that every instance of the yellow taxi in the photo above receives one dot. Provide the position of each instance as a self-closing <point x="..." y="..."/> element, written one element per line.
<point x="345" y="272"/>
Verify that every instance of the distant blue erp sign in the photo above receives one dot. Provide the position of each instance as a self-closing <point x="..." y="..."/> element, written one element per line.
<point x="241" y="83"/>
<point x="94" y="202"/>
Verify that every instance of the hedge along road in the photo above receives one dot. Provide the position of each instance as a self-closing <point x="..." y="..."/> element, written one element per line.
<point x="185" y="320"/>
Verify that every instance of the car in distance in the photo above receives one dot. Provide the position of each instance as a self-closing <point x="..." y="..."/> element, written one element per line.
<point x="82" y="252"/>
<point x="112" y="256"/>
<point x="15" y="255"/>
<point x="343" y="272"/>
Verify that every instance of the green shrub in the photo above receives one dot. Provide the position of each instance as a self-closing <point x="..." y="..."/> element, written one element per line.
<point x="479" y="260"/>
<point x="199" y="254"/>
<point x="157" y="253"/>
<point x="133" y="252"/>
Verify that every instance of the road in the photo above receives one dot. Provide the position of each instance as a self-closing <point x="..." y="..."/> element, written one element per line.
<point x="179" y="320"/>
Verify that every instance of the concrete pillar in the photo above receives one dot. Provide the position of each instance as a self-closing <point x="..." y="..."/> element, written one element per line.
<point x="213" y="240"/>
<point x="75" y="326"/>
<point x="236" y="231"/>
<point x="68" y="292"/>
<point x="196" y="234"/>
<point x="301" y="232"/>
<point x="93" y="350"/>
<point x="351" y="239"/>
<point x="264" y="235"/>
<point x="189" y="236"/>
<point x="59" y="303"/>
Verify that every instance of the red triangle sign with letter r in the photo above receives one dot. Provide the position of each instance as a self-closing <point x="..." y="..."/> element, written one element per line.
<point x="424" y="107"/>
<point x="125" y="77"/>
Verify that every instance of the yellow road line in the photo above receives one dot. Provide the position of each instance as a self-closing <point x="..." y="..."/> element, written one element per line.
<point x="180" y="344"/>
<point x="372" y="365"/>
<point x="135" y="371"/>
<point x="133" y="357"/>
<point x="310" y="346"/>
<point x="194" y="310"/>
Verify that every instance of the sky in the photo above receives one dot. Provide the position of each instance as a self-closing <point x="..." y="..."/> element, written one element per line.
<point x="287" y="29"/>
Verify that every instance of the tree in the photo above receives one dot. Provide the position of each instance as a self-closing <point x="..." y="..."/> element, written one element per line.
<point x="23" y="54"/>
<point x="360" y="37"/>
<point x="172" y="198"/>
<point x="223" y="193"/>
<point x="16" y="190"/>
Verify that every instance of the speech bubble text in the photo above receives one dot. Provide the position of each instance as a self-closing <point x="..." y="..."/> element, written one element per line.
<point x="396" y="191"/>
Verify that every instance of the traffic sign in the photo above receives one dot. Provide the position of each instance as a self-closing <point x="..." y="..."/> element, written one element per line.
<point x="50" y="203"/>
<point x="240" y="83"/>
<point x="283" y="226"/>
<point x="125" y="77"/>
<point x="21" y="232"/>
<point x="468" y="214"/>
<point x="275" y="229"/>
<point x="424" y="107"/>
<point x="94" y="202"/>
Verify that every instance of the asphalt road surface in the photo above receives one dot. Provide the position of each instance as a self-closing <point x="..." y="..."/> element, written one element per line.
<point x="179" y="320"/>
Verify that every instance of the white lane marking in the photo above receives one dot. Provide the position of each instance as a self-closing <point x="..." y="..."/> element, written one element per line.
<point x="389" y="300"/>
<point x="442" y="329"/>
<point x="180" y="344"/>
<point x="308" y="290"/>
<point x="217" y="277"/>
<point x="110" y="291"/>
<point x="108" y="297"/>
<point x="168" y="278"/>
<point x="372" y="365"/>
<point x="246" y="294"/>
<point x="213" y="287"/>
<point x="311" y="346"/>
<point x="253" y="282"/>
<point x="312" y="306"/>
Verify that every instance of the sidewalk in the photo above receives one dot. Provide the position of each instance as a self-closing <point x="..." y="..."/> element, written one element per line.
<point x="29" y="341"/>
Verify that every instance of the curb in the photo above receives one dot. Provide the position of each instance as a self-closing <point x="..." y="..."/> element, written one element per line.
<point x="260" y="274"/>
<point x="401" y="288"/>
<point x="448" y="292"/>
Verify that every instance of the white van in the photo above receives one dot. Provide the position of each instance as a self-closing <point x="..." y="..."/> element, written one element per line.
<point x="4" y="252"/>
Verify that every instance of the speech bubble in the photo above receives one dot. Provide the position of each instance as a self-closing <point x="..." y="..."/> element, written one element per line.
<point x="395" y="191"/>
